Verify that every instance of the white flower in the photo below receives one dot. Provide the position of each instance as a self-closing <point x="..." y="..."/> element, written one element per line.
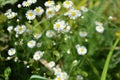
<point x="84" y="9"/>
<point x="50" y="33"/>
<point x="31" y="43"/>
<point x="57" y="7"/>
<point x="77" y="46"/>
<point x="50" y="12"/>
<point x="39" y="11"/>
<point x="30" y="15"/>
<point x="51" y="64"/>
<point x="19" y="5"/>
<point x="58" y="78"/>
<point x="20" y="29"/>
<point x="10" y="14"/>
<point x="66" y="29"/>
<point x="49" y="3"/>
<point x="39" y="44"/>
<point x="57" y="71"/>
<point x="82" y="50"/>
<point x="64" y="76"/>
<point x="98" y="23"/>
<point x="83" y="33"/>
<point x="67" y="4"/>
<point x="37" y="55"/>
<point x="37" y="36"/>
<point x="11" y="51"/>
<point x="79" y="77"/>
<point x="59" y="25"/>
<point x="26" y="4"/>
<point x="73" y="14"/>
<point x="110" y="17"/>
<point x="10" y="28"/>
<point x="100" y="29"/>
<point x="32" y="1"/>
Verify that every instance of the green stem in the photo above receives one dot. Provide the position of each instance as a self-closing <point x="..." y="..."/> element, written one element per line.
<point x="104" y="73"/>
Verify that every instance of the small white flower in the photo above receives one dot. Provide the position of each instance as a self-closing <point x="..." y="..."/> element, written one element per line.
<point x="82" y="50"/>
<point x="84" y="9"/>
<point x="39" y="45"/>
<point x="50" y="12"/>
<point x="83" y="33"/>
<point x="19" y="5"/>
<point x="58" y="78"/>
<point x="26" y="4"/>
<point x="32" y="1"/>
<point x="39" y="11"/>
<point x="98" y="23"/>
<point x="66" y="29"/>
<point x="11" y="51"/>
<point x="73" y="14"/>
<point x="100" y="29"/>
<point x="110" y="17"/>
<point x="10" y="28"/>
<point x="67" y="4"/>
<point x="59" y="25"/>
<point x="37" y="36"/>
<point x="57" y="7"/>
<point x="37" y="55"/>
<point x="31" y="43"/>
<point x="50" y="33"/>
<point x="79" y="77"/>
<point x="20" y="29"/>
<point x="77" y="46"/>
<point x="30" y="15"/>
<point x="51" y="64"/>
<point x="10" y="14"/>
<point x="64" y="76"/>
<point x="57" y="71"/>
<point x="49" y="3"/>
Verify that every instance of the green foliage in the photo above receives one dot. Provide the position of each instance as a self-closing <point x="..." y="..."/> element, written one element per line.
<point x="4" y="2"/>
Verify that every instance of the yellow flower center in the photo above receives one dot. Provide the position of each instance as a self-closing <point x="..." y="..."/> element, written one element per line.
<point x="73" y="13"/>
<point x="37" y="10"/>
<point x="20" y="28"/>
<point x="31" y="43"/>
<point x="58" y="25"/>
<point x="67" y="2"/>
<point x="49" y="12"/>
<point x="30" y="14"/>
<point x="82" y="49"/>
<point x="59" y="78"/>
<point x="49" y="2"/>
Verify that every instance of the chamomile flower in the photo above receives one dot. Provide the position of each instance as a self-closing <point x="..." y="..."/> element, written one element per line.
<point x="31" y="43"/>
<point x="57" y="7"/>
<point x="83" y="33"/>
<point x="32" y="1"/>
<point x="50" y="33"/>
<point x="10" y="28"/>
<point x="50" y="12"/>
<point x="20" y="29"/>
<point x="37" y="35"/>
<point x="26" y="4"/>
<point x="84" y="9"/>
<point x="57" y="70"/>
<point x="58" y="78"/>
<point x="66" y="29"/>
<point x="67" y="4"/>
<point x="30" y="15"/>
<point x="63" y="75"/>
<point x="51" y="64"/>
<point x="11" y="51"/>
<point x="73" y="14"/>
<point x="59" y="25"/>
<point x="79" y="77"/>
<point x="97" y="23"/>
<point x="99" y="29"/>
<point x="37" y="55"/>
<point x="39" y="11"/>
<point x="49" y="3"/>
<point x="10" y="14"/>
<point x="82" y="50"/>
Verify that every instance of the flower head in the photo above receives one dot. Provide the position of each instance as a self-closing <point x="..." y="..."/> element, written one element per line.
<point x="50" y="12"/>
<point x="100" y="29"/>
<point x="81" y="50"/>
<point x="51" y="64"/>
<point x="11" y="51"/>
<point x="32" y="1"/>
<point x="79" y="77"/>
<point x="20" y="29"/>
<point x="30" y="15"/>
<point x="37" y="55"/>
<point x="39" y="11"/>
<point x="84" y="9"/>
<point x="49" y="3"/>
<point x="67" y="4"/>
<point x="83" y="33"/>
<point x="31" y="44"/>
<point x="26" y="4"/>
<point x="50" y="33"/>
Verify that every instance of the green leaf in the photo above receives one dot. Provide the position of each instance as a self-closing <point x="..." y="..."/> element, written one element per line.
<point x="37" y="77"/>
<point x="4" y="2"/>
<point x="7" y="73"/>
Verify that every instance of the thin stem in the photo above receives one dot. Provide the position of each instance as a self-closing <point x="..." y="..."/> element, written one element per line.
<point x="105" y="69"/>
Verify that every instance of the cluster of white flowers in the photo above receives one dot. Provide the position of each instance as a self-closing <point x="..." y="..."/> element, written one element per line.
<point x="81" y="50"/>
<point x="20" y="29"/>
<point x="61" y="26"/>
<point x="38" y="55"/>
<point x="59" y="74"/>
<point x="10" y="14"/>
<point x="99" y="27"/>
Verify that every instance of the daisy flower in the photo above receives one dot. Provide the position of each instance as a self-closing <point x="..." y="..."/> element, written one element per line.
<point x="97" y="23"/>
<point x="10" y="28"/>
<point x="50" y="33"/>
<point x="51" y="64"/>
<point x="32" y="1"/>
<point x="59" y="25"/>
<point x="37" y="55"/>
<point x="39" y="11"/>
<point x="11" y="51"/>
<point x="20" y="29"/>
<point x="37" y="36"/>
<point x="66" y="29"/>
<point x="99" y="29"/>
<point x="84" y="9"/>
<point x="63" y="75"/>
<point x="73" y="14"/>
<point x="79" y="77"/>
<point x="10" y="14"/>
<point x="26" y="4"/>
<point x="50" y="12"/>
<point x="49" y="3"/>
<point x="30" y="15"/>
<point x="83" y="33"/>
<point x="57" y="70"/>
<point x="31" y="43"/>
<point x="67" y="4"/>
<point x="57" y="7"/>
<point x="82" y="50"/>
